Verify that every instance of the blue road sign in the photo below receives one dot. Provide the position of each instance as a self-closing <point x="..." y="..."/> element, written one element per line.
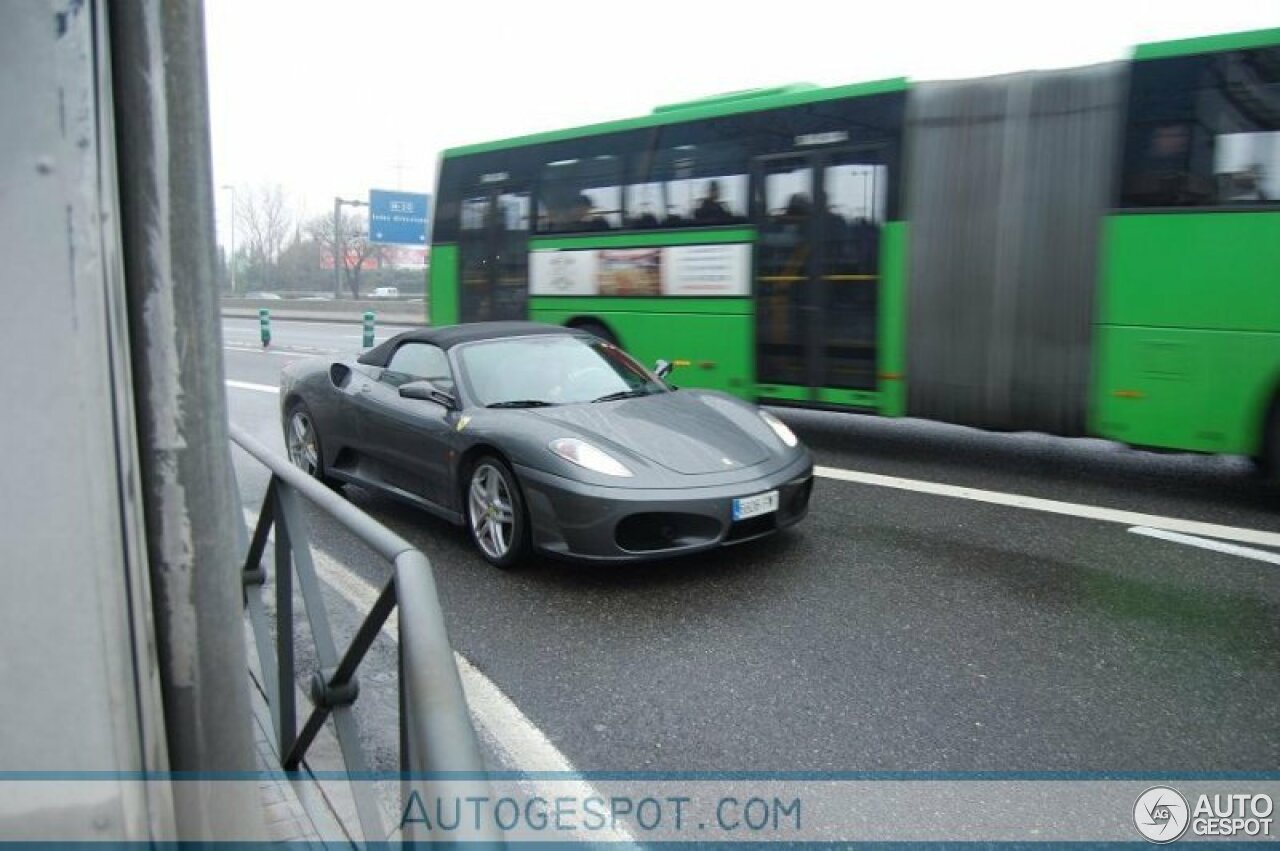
<point x="398" y="218"/>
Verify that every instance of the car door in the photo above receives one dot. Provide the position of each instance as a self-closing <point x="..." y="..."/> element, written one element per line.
<point x="410" y="442"/>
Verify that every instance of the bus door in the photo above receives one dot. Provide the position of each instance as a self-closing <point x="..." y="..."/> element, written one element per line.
<point x="817" y="271"/>
<point x="493" y="251"/>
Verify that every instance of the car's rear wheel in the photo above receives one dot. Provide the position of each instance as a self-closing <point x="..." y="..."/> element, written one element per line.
<point x="495" y="513"/>
<point x="302" y="440"/>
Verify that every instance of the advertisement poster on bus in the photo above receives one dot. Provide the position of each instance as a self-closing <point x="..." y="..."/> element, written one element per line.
<point x="686" y="270"/>
<point x="630" y="271"/>
<point x="563" y="273"/>
<point x="707" y="270"/>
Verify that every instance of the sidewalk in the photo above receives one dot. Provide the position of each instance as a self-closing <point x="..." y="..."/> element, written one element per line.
<point x="286" y="819"/>
<point x="297" y="808"/>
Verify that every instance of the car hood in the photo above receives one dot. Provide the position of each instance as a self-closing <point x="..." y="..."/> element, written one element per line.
<point x="689" y="432"/>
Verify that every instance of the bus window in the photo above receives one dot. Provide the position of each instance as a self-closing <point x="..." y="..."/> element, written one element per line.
<point x="580" y="195"/>
<point x="1204" y="130"/>
<point x="1246" y="167"/>
<point x="691" y="186"/>
<point x="646" y="205"/>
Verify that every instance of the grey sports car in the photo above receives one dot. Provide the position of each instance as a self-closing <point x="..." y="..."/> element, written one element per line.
<point x="537" y="436"/>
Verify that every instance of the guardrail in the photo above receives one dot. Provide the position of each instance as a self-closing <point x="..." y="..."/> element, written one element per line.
<point x="435" y="727"/>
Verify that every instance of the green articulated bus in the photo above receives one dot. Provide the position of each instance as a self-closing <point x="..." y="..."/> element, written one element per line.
<point x="1087" y="251"/>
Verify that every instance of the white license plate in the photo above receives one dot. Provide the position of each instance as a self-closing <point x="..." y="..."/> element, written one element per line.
<point x="754" y="506"/>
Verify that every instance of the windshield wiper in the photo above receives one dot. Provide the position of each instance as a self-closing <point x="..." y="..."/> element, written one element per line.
<point x="621" y="394"/>
<point x="522" y="403"/>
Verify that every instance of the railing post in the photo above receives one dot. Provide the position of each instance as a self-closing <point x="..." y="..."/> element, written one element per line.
<point x="287" y="719"/>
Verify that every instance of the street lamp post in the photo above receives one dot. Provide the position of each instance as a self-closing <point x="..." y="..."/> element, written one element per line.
<point x="338" y="251"/>
<point x="232" y="260"/>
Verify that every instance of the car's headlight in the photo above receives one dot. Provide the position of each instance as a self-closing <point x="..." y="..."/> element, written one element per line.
<point x="585" y="455"/>
<point x="784" y="433"/>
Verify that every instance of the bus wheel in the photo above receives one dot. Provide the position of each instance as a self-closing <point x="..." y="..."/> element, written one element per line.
<point x="598" y="329"/>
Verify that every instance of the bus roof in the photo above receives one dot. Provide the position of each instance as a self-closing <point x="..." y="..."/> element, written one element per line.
<point x="1207" y="44"/>
<point x="733" y="103"/>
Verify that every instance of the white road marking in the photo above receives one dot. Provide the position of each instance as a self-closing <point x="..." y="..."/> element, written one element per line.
<point x="245" y="385"/>
<point x="1208" y="544"/>
<point x="279" y="352"/>
<point x="500" y="721"/>
<point x="1053" y="506"/>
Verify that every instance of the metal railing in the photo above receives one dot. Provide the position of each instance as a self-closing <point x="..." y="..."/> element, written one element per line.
<point x="435" y="727"/>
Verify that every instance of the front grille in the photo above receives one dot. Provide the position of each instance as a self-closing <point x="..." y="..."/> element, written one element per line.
<point x="651" y="531"/>
<point x="752" y="527"/>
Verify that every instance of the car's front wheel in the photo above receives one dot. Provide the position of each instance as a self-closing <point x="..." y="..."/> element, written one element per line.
<point x="495" y="513"/>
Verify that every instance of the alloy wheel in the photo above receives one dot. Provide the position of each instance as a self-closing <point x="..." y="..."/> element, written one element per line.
<point x="492" y="512"/>
<point x="303" y="451"/>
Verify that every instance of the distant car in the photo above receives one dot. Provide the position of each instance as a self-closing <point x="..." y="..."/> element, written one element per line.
<point x="385" y="292"/>
<point x="541" y="437"/>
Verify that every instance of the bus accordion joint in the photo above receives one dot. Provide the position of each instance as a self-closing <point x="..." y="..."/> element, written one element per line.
<point x="1128" y="394"/>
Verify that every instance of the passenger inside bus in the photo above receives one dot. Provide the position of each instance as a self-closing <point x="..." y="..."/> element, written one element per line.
<point x="798" y="206"/>
<point x="585" y="216"/>
<point x="712" y="210"/>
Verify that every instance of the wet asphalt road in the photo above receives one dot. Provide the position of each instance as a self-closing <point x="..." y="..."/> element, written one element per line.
<point x="892" y="630"/>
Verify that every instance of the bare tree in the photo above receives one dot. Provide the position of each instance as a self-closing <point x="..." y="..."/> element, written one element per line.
<point x="357" y="250"/>
<point x="263" y="216"/>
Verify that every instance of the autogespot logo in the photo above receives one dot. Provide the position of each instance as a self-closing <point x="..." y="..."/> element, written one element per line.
<point x="1161" y="814"/>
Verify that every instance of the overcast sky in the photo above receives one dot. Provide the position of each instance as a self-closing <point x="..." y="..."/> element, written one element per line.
<point x="325" y="97"/>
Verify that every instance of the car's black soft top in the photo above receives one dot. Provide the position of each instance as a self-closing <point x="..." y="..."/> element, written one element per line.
<point x="453" y="335"/>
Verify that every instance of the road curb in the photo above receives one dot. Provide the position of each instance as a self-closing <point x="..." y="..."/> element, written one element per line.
<point x="354" y="318"/>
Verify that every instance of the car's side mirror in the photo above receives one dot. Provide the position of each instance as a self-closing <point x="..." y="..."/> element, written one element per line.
<point x="427" y="392"/>
<point x="663" y="368"/>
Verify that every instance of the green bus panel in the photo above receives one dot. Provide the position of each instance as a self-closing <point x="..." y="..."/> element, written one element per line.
<point x="709" y="340"/>
<point x="866" y="399"/>
<point x="1205" y="391"/>
<point x="1188" y="342"/>
<point x="642" y="239"/>
<point x="442" y="301"/>
<point x="826" y="397"/>
<point x="1192" y="270"/>
<point x="784" y="392"/>
<point x="892" y="321"/>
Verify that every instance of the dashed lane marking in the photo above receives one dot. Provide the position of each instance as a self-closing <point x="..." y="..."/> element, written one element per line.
<point x="1053" y="506"/>
<point x="1209" y="544"/>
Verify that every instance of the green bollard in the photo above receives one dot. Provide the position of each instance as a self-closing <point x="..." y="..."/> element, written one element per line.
<point x="264" y="326"/>
<point x="368" y="328"/>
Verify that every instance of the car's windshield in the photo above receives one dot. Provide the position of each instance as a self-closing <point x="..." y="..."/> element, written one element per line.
<point x="554" y="370"/>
